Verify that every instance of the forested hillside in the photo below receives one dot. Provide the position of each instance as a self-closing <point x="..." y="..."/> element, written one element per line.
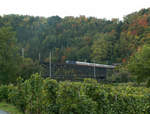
<point x="68" y="38"/>
<point x="80" y="38"/>
<point x="71" y="38"/>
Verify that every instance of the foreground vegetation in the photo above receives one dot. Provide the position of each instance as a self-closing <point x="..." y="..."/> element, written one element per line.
<point x="9" y="108"/>
<point x="47" y="96"/>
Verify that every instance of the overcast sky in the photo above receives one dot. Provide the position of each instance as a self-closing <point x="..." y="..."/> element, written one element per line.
<point x="96" y="8"/>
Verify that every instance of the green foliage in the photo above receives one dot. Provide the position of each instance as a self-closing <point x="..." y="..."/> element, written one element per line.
<point x="51" y="88"/>
<point x="17" y="97"/>
<point x="139" y="64"/>
<point x="4" y="90"/>
<point x="121" y="77"/>
<point x="119" y="99"/>
<point x="78" y="38"/>
<point x="103" y="49"/>
<point x="34" y="99"/>
<point x="72" y="100"/>
<point x="47" y="96"/>
<point x="29" y="67"/>
<point x="70" y="37"/>
<point x="34" y="95"/>
<point x="90" y="80"/>
<point x="9" y="58"/>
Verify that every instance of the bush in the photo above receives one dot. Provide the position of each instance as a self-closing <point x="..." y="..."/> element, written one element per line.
<point x="117" y="100"/>
<point x="72" y="100"/>
<point x="4" y="90"/>
<point x="47" y="96"/>
<point x="35" y="95"/>
<point x="50" y="87"/>
<point x="90" y="80"/>
<point x="17" y="97"/>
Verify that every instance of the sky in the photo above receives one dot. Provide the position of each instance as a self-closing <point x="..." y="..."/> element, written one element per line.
<point x="96" y="8"/>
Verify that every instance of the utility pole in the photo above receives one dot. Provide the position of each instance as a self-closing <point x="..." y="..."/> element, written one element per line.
<point x="94" y="70"/>
<point x="39" y="57"/>
<point x="23" y="52"/>
<point x="39" y="62"/>
<point x="50" y="72"/>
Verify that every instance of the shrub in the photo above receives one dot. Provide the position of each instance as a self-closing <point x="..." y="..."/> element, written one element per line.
<point x="4" y="90"/>
<point x="17" y="97"/>
<point x="72" y="100"/>
<point x="50" y="89"/>
<point x="17" y="94"/>
<point x="90" y="80"/>
<point x="35" y="96"/>
<point x="47" y="96"/>
<point x="117" y="100"/>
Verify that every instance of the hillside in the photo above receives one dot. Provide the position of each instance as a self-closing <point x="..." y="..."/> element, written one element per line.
<point x="69" y="38"/>
<point x="80" y="38"/>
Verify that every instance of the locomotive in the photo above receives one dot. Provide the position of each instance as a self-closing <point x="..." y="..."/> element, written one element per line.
<point x="71" y="70"/>
<point x="90" y="64"/>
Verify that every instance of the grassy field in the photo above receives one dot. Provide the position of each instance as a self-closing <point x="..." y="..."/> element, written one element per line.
<point x="9" y="108"/>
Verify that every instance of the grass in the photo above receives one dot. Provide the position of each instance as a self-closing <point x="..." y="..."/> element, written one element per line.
<point x="9" y="108"/>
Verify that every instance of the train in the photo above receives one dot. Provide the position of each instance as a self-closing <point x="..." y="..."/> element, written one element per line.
<point x="90" y="64"/>
<point x="73" y="70"/>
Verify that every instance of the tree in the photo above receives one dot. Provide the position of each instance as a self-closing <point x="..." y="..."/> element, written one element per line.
<point x="102" y="48"/>
<point x="29" y="67"/>
<point x="139" y="64"/>
<point x="9" y="58"/>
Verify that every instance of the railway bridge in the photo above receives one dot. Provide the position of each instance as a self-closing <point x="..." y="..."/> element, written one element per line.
<point x="76" y="70"/>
